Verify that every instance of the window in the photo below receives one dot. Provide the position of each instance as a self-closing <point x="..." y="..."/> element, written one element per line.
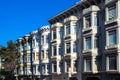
<point x="21" y="48"/>
<point x="54" y="51"/>
<point x="28" y="58"/>
<point x="54" y="67"/>
<point x="61" y="67"/>
<point x="75" y="65"/>
<point x="37" y="42"/>
<point x="22" y="59"/>
<point x="54" y="34"/>
<point x="67" y="28"/>
<point x="47" y="53"/>
<point x="28" y="70"/>
<point x="68" y="65"/>
<point x="60" y="50"/>
<point x="68" y="47"/>
<point x="42" y="39"/>
<point x="112" y="12"/>
<point x="112" y="63"/>
<point x="74" y="25"/>
<point x="34" y="69"/>
<point x="88" y="43"/>
<point x="60" y="33"/>
<point x="96" y="42"/>
<point x="96" y="20"/>
<point x="29" y="46"/>
<point x="48" y="39"/>
<point x="88" y="65"/>
<point x="33" y="43"/>
<point x="43" y="69"/>
<point x="112" y="37"/>
<point x="98" y="63"/>
<point x="42" y="55"/>
<point x="74" y="47"/>
<point x="87" y="21"/>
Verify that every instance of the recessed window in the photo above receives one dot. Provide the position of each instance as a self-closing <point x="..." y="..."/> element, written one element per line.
<point x="96" y="20"/>
<point x="60" y="50"/>
<point x="54" y="34"/>
<point x="60" y="33"/>
<point x="75" y="65"/>
<point x="88" y="43"/>
<point x="61" y="66"/>
<point x="88" y="65"/>
<point x="28" y="70"/>
<point x="112" y="12"/>
<point x="43" y="69"/>
<point x="68" y="47"/>
<point x="48" y="38"/>
<point x="112" y="37"/>
<point x="22" y="59"/>
<point x="54" y="51"/>
<point x="87" y="21"/>
<point x="74" y="47"/>
<point x="67" y="28"/>
<point x="68" y="65"/>
<point x="28" y="58"/>
<point x="42" y="39"/>
<point x="96" y="42"/>
<point x="47" y="51"/>
<point x="54" y="67"/>
<point x="112" y="63"/>
<point x="74" y="25"/>
<point x="42" y="54"/>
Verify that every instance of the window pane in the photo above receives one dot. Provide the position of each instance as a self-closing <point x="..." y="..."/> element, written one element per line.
<point x="88" y="65"/>
<point x="48" y="38"/>
<point x="67" y="28"/>
<point x="112" y="37"/>
<point x="54" y="67"/>
<point x="68" y="48"/>
<point x="95" y="20"/>
<point x="42" y="54"/>
<point x="74" y="47"/>
<point x="68" y="65"/>
<point x="42" y="39"/>
<point x="54" y="51"/>
<point x="43" y="69"/>
<point x="88" y="43"/>
<point x="61" y="33"/>
<point x="112" y="63"/>
<point x="74" y="25"/>
<point x="54" y="34"/>
<point x="60" y="50"/>
<point x="87" y="21"/>
<point x="28" y="58"/>
<point x="61" y="66"/>
<point x="112" y="12"/>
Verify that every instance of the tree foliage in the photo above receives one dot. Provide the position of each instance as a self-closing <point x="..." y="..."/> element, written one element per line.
<point x="10" y="55"/>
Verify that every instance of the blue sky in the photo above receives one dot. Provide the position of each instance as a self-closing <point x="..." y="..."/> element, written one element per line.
<point x="20" y="17"/>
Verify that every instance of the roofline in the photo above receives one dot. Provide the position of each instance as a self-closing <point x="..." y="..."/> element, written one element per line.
<point x="76" y="4"/>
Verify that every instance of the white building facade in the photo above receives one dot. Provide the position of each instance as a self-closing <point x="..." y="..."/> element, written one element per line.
<point x="82" y="43"/>
<point x="44" y="33"/>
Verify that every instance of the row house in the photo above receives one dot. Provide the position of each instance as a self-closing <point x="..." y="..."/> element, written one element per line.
<point x="32" y="49"/>
<point x="97" y="39"/>
<point x="82" y="43"/>
<point x="63" y="47"/>
<point x="24" y="49"/>
<point x="44" y="33"/>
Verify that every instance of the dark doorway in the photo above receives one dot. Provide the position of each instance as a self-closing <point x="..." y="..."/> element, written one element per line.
<point x="92" y="78"/>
